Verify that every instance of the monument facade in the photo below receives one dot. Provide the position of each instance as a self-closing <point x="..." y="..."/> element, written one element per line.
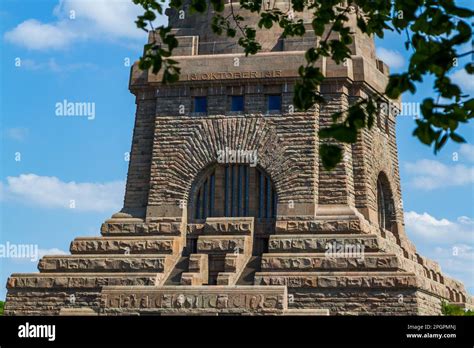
<point x="228" y="209"/>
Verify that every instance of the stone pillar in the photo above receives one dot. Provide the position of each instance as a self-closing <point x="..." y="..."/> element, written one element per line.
<point x="335" y="187"/>
<point x="138" y="178"/>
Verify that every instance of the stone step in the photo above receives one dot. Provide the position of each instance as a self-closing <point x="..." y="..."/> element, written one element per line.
<point x="234" y="264"/>
<point x="337" y="279"/>
<point x="83" y="280"/>
<point x="303" y="312"/>
<point x="105" y="263"/>
<point x="125" y="245"/>
<point x="81" y="312"/>
<point x="307" y="262"/>
<point x="198" y="270"/>
<point x="284" y="243"/>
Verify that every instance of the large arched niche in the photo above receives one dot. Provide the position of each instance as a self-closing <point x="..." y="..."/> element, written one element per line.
<point x="386" y="212"/>
<point x="232" y="190"/>
<point x="249" y="192"/>
<point x="176" y="171"/>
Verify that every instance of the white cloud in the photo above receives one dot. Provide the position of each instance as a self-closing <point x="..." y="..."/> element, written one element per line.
<point x="81" y="20"/>
<point x="2" y="192"/>
<point x="39" y="36"/>
<point x="18" y="134"/>
<point x="467" y="151"/>
<point x="52" y="251"/>
<point x="52" y="65"/>
<point x="450" y="243"/>
<point x="391" y="57"/>
<point x="457" y="262"/>
<point x="464" y="80"/>
<point x="429" y="174"/>
<point x="432" y="230"/>
<point x="113" y="17"/>
<point x="50" y="192"/>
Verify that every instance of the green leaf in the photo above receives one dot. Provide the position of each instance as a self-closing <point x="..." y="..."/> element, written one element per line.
<point x="217" y="5"/>
<point x="149" y="15"/>
<point x="361" y="24"/>
<point x="198" y="6"/>
<point x="311" y="55"/>
<point x="469" y="68"/>
<point x="457" y="138"/>
<point x="439" y="144"/>
<point x="424" y="132"/>
<point x="339" y="132"/>
<point x="318" y="26"/>
<point x="298" y="5"/>
<point x="331" y="155"/>
<point x="176" y="4"/>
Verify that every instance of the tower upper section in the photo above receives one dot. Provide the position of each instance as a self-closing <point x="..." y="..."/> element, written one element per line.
<point x="196" y="37"/>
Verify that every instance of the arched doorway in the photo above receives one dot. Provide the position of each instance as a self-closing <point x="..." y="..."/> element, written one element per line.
<point x="233" y="190"/>
<point x="385" y="204"/>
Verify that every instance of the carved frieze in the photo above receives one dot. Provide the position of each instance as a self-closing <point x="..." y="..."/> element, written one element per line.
<point x="205" y="298"/>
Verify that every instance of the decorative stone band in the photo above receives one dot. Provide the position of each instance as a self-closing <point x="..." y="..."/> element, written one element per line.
<point x="105" y="263"/>
<point x="224" y="227"/>
<point x="282" y="64"/>
<point x="373" y="280"/>
<point x="83" y="280"/>
<point x="331" y="280"/>
<point x="188" y="299"/>
<point x="281" y="243"/>
<point x="229" y="226"/>
<point x="322" y="226"/>
<point x="163" y="228"/>
<point x="223" y="244"/>
<point x="125" y="245"/>
<point x="320" y="261"/>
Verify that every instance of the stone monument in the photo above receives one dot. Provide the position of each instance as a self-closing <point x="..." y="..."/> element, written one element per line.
<point x="228" y="209"/>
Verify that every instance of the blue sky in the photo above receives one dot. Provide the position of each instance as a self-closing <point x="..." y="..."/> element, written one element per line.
<point x="84" y="59"/>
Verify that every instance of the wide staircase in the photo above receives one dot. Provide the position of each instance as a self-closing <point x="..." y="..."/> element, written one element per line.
<point x="125" y="255"/>
<point x="312" y="267"/>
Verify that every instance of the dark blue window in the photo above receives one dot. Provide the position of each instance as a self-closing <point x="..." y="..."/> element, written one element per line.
<point x="200" y="104"/>
<point x="237" y="103"/>
<point x="274" y="102"/>
<point x="231" y="190"/>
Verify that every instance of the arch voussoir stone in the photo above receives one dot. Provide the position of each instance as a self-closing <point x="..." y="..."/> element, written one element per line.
<point x="200" y="141"/>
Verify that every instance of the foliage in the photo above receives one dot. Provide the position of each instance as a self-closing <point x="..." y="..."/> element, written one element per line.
<point x="435" y="32"/>
<point x="450" y="309"/>
<point x="2" y="304"/>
